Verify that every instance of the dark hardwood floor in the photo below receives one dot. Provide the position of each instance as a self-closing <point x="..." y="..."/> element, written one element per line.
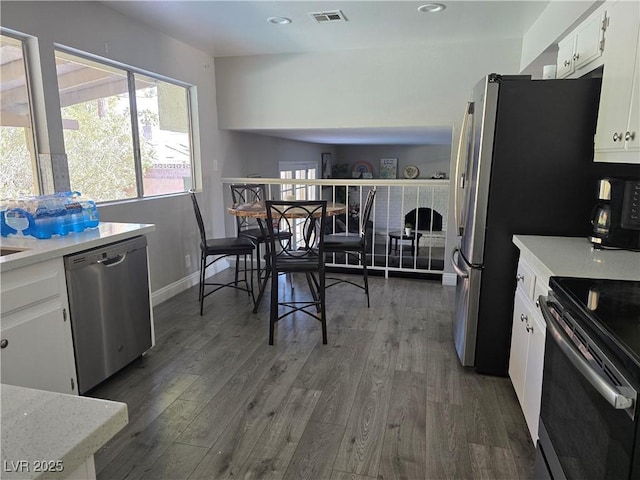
<point x="386" y="398"/>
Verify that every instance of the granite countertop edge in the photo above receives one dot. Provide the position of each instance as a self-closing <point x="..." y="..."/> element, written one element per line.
<point x="576" y="257"/>
<point x="41" y="250"/>
<point x="38" y="425"/>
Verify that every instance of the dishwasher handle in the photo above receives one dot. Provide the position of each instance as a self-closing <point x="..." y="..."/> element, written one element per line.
<point x="113" y="261"/>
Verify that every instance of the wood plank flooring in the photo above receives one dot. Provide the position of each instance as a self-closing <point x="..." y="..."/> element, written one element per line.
<point x="386" y="398"/>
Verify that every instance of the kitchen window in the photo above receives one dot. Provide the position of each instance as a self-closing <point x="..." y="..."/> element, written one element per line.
<point x="18" y="168"/>
<point x="126" y="134"/>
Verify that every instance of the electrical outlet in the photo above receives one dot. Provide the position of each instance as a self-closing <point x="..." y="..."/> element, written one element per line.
<point x="187" y="261"/>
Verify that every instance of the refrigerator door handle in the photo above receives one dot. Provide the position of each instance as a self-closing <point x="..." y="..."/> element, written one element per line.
<point x="461" y="273"/>
<point x="459" y="178"/>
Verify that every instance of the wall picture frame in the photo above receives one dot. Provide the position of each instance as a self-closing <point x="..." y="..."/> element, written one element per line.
<point x="389" y="168"/>
<point x="326" y="165"/>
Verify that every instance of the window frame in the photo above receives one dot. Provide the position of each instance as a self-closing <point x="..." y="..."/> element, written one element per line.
<point x="135" y="136"/>
<point x="26" y="60"/>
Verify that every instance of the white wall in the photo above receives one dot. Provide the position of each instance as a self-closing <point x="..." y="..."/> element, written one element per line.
<point x="428" y="158"/>
<point x="251" y="154"/>
<point x="357" y="88"/>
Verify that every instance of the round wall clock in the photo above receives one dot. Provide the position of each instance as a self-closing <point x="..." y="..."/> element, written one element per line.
<point x="411" y="171"/>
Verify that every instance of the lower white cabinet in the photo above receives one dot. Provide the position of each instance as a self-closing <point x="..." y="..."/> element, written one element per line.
<point x="35" y="332"/>
<point x="526" y="359"/>
<point x="519" y="344"/>
<point x="533" y="375"/>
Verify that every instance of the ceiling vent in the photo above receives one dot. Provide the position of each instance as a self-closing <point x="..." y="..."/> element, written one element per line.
<point x="326" y="17"/>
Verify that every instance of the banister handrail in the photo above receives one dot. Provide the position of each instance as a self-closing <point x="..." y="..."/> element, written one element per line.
<point x="341" y="181"/>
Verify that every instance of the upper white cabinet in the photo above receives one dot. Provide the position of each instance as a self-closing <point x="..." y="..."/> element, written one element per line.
<point x="617" y="131"/>
<point x="581" y="47"/>
<point x="36" y="344"/>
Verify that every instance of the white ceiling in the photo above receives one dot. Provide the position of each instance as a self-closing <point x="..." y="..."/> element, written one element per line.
<point x="236" y="28"/>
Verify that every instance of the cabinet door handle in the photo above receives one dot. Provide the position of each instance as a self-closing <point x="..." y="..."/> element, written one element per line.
<point x="576" y="57"/>
<point x="529" y="328"/>
<point x="617" y="136"/>
<point x="523" y="318"/>
<point x="519" y="277"/>
<point x="566" y="63"/>
<point x="629" y="136"/>
<point x="4" y="343"/>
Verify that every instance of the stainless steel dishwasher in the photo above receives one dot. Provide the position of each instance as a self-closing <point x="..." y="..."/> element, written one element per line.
<point x="109" y="304"/>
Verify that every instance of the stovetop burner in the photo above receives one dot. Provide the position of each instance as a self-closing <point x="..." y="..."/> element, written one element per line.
<point x="612" y="306"/>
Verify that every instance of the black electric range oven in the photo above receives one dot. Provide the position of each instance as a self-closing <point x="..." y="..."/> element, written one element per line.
<point x="589" y="417"/>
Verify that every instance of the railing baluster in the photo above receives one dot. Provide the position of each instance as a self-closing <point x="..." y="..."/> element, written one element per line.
<point x="428" y="193"/>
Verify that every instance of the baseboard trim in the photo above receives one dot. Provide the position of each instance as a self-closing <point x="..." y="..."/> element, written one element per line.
<point x="165" y="293"/>
<point x="449" y="279"/>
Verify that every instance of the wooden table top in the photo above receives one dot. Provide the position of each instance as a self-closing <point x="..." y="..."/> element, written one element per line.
<point x="257" y="210"/>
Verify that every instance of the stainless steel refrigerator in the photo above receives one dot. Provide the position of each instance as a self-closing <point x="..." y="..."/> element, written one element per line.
<point x="525" y="166"/>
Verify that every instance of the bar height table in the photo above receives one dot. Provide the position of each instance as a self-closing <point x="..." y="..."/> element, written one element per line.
<point x="259" y="212"/>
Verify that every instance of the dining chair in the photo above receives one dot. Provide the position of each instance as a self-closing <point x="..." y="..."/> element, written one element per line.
<point x="248" y="227"/>
<point x="302" y="251"/>
<point x="353" y="245"/>
<point x="221" y="248"/>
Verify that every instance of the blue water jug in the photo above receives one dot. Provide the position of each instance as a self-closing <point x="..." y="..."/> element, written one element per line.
<point x="90" y="213"/>
<point x="5" y="229"/>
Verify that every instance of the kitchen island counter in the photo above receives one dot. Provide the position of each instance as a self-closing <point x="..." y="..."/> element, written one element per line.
<point x="575" y="257"/>
<point x="52" y="435"/>
<point x="37" y="250"/>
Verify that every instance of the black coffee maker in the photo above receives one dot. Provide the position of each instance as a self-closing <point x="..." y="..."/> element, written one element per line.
<point x="616" y="216"/>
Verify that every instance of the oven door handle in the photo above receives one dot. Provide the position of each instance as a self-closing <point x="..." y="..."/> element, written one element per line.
<point x="605" y="388"/>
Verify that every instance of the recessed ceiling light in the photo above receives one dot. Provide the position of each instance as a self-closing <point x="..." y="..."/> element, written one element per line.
<point x="431" y="8"/>
<point x="279" y="20"/>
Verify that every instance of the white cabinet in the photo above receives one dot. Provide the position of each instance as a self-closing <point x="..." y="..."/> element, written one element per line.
<point x="519" y="344"/>
<point x="36" y="344"/>
<point x="582" y="46"/>
<point x="533" y="375"/>
<point x="617" y="133"/>
<point x="526" y="359"/>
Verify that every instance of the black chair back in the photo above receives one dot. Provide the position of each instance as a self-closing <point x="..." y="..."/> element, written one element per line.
<point x="196" y="209"/>
<point x="242" y="193"/>
<point x="368" y="207"/>
<point x="305" y="220"/>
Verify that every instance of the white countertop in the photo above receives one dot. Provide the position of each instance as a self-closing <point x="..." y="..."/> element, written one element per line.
<point x="37" y="250"/>
<point x="575" y="257"/>
<point x="47" y="426"/>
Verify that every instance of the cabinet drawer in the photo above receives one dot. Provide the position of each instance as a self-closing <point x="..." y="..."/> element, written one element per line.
<point x="526" y="279"/>
<point x="31" y="285"/>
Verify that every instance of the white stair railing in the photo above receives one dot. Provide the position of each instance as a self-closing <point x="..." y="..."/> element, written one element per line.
<point x="422" y="251"/>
